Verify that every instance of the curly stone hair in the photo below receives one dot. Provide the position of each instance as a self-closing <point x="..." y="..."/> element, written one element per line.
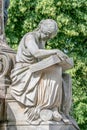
<point x="48" y="26"/>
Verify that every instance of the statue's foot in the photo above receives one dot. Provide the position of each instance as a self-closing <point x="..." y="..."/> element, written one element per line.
<point x="36" y="122"/>
<point x="46" y="115"/>
<point x="37" y="113"/>
<point x="57" y="116"/>
<point x="65" y="119"/>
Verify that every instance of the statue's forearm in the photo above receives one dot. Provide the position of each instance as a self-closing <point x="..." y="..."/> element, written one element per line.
<point x="41" y="53"/>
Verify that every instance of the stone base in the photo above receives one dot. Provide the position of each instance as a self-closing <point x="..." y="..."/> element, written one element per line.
<point x="3" y="126"/>
<point x="15" y="113"/>
<point x="39" y="127"/>
<point x="16" y="120"/>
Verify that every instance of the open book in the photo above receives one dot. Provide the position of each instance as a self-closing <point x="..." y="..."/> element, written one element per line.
<point x="50" y="61"/>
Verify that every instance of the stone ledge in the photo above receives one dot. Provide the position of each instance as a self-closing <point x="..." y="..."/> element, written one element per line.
<point x="17" y="119"/>
<point x="3" y="126"/>
<point x="39" y="127"/>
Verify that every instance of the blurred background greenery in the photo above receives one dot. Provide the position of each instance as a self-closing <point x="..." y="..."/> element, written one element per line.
<point x="71" y="16"/>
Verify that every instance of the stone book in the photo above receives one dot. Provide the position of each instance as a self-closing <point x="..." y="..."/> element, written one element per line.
<point x="50" y="61"/>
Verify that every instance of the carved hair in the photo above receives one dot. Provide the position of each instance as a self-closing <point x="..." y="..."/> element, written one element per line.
<point x="48" y="26"/>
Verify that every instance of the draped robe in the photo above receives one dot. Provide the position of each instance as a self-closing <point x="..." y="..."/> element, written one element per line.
<point x="41" y="89"/>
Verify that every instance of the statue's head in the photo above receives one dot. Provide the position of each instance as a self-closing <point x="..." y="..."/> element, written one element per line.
<point x="48" y="28"/>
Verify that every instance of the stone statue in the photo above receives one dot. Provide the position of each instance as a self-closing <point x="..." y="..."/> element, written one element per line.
<point x="38" y="81"/>
<point x="6" y="5"/>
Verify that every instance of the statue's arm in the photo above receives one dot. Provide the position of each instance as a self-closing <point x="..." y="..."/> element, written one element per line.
<point x="42" y="53"/>
<point x="35" y="51"/>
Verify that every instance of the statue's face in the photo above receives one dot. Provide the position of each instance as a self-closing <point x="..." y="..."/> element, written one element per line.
<point x="44" y="36"/>
<point x="52" y="35"/>
<point x="47" y="36"/>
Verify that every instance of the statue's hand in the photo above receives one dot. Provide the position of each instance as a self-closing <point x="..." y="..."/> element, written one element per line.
<point x="61" y="55"/>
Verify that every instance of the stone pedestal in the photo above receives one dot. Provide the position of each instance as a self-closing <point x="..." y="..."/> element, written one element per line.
<point x="3" y="126"/>
<point x="41" y="127"/>
<point x="16" y="120"/>
<point x="11" y="112"/>
<point x="49" y="126"/>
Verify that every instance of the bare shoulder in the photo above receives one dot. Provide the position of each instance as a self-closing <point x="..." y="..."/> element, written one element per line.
<point x="29" y="36"/>
<point x="30" y="41"/>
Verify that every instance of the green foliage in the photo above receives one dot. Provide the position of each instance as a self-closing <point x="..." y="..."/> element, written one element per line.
<point x="79" y="75"/>
<point x="71" y="16"/>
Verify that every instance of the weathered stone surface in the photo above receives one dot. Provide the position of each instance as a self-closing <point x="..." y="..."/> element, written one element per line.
<point x="41" y="89"/>
<point x="49" y="126"/>
<point x="2" y="108"/>
<point x="15" y="112"/>
<point x="1" y="18"/>
<point x="7" y="59"/>
<point x="3" y="126"/>
<point x="17" y="120"/>
<point x="37" y="75"/>
<point x="46" y="115"/>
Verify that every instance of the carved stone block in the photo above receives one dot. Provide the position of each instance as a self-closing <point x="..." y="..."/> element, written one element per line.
<point x="7" y="59"/>
<point x="15" y="113"/>
<point x="49" y="126"/>
<point x="17" y="120"/>
<point x="2" y="109"/>
<point x="3" y="126"/>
